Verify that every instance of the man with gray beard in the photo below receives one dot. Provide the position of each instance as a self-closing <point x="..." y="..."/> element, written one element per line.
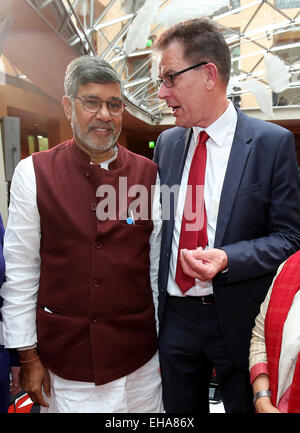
<point x="80" y="292"/>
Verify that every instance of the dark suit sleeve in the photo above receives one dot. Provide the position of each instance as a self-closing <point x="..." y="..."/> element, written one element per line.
<point x="262" y="255"/>
<point x="156" y="151"/>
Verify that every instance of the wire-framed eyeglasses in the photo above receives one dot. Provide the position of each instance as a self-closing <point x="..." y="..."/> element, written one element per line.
<point x="168" y="80"/>
<point x="93" y="104"/>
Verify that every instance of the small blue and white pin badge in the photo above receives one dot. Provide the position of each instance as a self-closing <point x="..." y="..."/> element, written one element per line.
<point x="130" y="219"/>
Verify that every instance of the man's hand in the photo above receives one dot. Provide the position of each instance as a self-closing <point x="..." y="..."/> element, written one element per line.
<point x="34" y="376"/>
<point x="203" y="264"/>
<point x="15" y="386"/>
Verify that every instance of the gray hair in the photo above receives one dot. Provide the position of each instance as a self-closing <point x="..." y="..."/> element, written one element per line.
<point x="89" y="69"/>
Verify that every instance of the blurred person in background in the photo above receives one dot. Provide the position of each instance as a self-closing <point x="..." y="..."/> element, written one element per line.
<point x="275" y="345"/>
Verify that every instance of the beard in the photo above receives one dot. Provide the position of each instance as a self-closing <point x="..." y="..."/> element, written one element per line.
<point x="95" y="143"/>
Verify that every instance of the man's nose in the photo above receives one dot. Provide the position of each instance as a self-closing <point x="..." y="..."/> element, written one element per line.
<point x="164" y="92"/>
<point x="103" y="113"/>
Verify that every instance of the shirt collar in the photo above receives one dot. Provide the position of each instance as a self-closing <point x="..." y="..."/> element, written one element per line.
<point x="218" y="130"/>
<point x="106" y="163"/>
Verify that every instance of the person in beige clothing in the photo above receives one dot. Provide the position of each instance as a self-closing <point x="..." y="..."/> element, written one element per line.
<point x="275" y="344"/>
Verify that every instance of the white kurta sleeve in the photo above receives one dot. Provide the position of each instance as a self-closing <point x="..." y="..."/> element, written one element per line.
<point x="155" y="240"/>
<point x="22" y="259"/>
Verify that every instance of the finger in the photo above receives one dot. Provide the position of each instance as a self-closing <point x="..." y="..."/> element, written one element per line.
<point x="191" y="267"/>
<point x="32" y="396"/>
<point x="196" y="254"/>
<point x="201" y="269"/>
<point x="38" y="398"/>
<point x="46" y="385"/>
<point x="188" y="257"/>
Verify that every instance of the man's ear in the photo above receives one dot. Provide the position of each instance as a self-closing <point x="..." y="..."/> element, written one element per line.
<point x="211" y="75"/>
<point x="67" y="106"/>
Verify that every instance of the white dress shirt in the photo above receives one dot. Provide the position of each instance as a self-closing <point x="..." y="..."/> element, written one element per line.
<point x="221" y="134"/>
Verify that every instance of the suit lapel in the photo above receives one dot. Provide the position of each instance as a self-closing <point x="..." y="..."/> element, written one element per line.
<point x="175" y="164"/>
<point x="178" y="158"/>
<point x="240" y="150"/>
<point x="174" y="169"/>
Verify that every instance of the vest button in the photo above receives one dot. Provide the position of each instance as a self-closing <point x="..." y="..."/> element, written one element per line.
<point x="89" y="172"/>
<point x="96" y="283"/>
<point x="97" y="244"/>
<point x="93" y="207"/>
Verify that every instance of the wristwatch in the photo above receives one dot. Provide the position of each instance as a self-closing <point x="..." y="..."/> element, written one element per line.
<point x="263" y="393"/>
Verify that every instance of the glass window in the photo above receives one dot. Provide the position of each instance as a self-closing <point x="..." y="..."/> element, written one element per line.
<point x="287" y="4"/>
<point x="31" y="144"/>
<point x="235" y="60"/>
<point x="43" y="143"/>
<point x="235" y="3"/>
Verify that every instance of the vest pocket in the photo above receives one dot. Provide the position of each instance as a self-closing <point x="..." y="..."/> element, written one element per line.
<point x="51" y="312"/>
<point x="138" y="222"/>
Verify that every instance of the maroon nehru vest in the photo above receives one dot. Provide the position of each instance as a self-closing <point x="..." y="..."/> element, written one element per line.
<point x="94" y="274"/>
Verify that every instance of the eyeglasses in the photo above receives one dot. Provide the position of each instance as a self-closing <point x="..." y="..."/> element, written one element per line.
<point x="93" y="104"/>
<point x="168" y="80"/>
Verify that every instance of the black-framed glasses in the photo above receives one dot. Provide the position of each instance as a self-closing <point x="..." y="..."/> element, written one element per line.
<point x="168" y="80"/>
<point x="93" y="104"/>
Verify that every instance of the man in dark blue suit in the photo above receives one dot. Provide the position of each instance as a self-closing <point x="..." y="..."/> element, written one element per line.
<point x="251" y="222"/>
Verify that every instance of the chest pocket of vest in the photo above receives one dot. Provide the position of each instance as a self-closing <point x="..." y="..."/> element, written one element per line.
<point x="52" y="311"/>
<point x="138" y="222"/>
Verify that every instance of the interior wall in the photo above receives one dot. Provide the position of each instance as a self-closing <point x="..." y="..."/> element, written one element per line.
<point x="138" y="141"/>
<point x="34" y="108"/>
<point x="40" y="109"/>
<point x="35" y="124"/>
<point x="140" y="146"/>
<point x="122" y="140"/>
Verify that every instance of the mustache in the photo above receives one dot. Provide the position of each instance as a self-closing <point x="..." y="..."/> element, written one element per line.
<point x="103" y="125"/>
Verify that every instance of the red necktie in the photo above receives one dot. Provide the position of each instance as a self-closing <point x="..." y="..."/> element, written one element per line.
<point x="194" y="224"/>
